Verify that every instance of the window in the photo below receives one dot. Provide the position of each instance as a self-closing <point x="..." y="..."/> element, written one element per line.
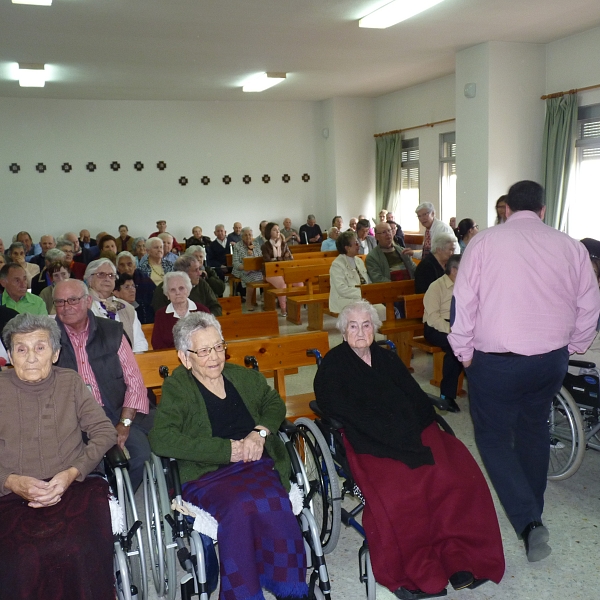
<point x="447" y="176"/>
<point x="409" y="185"/>
<point x="584" y="209"/>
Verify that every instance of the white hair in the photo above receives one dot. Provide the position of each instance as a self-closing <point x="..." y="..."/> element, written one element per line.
<point x="362" y="306"/>
<point x="182" y="275"/>
<point x="441" y="239"/>
<point x="427" y="205"/>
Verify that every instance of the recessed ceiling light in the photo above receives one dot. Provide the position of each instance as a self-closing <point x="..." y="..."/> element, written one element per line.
<point x="34" y="2"/>
<point x="263" y="81"/>
<point x="395" y="12"/>
<point x="32" y="75"/>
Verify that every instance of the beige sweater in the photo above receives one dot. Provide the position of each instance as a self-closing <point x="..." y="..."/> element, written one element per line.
<point x="41" y="425"/>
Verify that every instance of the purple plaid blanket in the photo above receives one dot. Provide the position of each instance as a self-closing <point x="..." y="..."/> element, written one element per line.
<point x="260" y="542"/>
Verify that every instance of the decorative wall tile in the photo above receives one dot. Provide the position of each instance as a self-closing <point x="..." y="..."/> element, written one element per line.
<point x="138" y="166"/>
<point x="286" y="178"/>
<point x="246" y="179"/>
<point x="115" y="166"/>
<point x="66" y="167"/>
<point x="306" y="177"/>
<point x="14" y="168"/>
<point x="40" y="167"/>
<point x="205" y="180"/>
<point x="266" y="178"/>
<point x="91" y="167"/>
<point x="226" y="180"/>
<point x="183" y="181"/>
<point x="161" y="165"/>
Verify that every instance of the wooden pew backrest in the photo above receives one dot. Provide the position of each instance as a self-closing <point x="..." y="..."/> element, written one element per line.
<point x="239" y="326"/>
<point x="230" y="305"/>
<point x="413" y="306"/>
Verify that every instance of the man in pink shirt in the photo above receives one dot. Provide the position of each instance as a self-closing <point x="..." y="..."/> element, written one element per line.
<point x="100" y="352"/>
<point x="525" y="298"/>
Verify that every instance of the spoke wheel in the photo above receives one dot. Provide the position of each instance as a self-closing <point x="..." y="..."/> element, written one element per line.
<point x="322" y="493"/>
<point x="567" y="440"/>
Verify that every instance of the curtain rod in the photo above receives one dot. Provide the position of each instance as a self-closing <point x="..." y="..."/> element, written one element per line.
<point x="415" y="127"/>
<point x="559" y="94"/>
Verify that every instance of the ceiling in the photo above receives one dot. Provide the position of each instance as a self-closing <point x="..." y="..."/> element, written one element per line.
<point x="204" y="49"/>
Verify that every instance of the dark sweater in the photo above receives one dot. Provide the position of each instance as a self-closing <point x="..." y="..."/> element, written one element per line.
<point x="427" y="271"/>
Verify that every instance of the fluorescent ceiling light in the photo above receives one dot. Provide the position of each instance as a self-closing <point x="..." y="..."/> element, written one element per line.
<point x="395" y="12"/>
<point x="34" y="2"/>
<point x="32" y="75"/>
<point x="263" y="81"/>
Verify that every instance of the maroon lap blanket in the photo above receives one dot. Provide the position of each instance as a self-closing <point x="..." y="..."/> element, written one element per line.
<point x="62" y="552"/>
<point x="260" y="542"/>
<point x="425" y="524"/>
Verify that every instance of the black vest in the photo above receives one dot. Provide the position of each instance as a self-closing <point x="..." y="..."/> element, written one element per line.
<point x="104" y="340"/>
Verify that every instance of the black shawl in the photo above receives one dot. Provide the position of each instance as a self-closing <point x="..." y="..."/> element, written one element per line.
<point x="381" y="406"/>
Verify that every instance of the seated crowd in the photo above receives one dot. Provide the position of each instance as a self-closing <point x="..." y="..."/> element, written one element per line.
<point x="72" y="339"/>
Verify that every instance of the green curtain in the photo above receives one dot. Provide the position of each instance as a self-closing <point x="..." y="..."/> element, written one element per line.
<point x="388" y="155"/>
<point x="558" y="156"/>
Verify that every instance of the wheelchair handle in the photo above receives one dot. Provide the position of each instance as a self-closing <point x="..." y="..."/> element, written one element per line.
<point x="251" y="362"/>
<point x="317" y="354"/>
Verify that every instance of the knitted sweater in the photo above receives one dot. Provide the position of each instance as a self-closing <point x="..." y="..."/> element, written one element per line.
<point x="41" y="425"/>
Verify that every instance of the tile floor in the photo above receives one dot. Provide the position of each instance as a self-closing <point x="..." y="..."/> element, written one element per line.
<point x="572" y="515"/>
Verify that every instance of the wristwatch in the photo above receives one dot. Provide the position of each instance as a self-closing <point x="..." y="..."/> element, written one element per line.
<point x="261" y="432"/>
<point x="126" y="422"/>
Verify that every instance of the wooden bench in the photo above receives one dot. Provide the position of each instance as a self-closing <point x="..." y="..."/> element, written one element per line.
<point x="399" y="331"/>
<point x="237" y="325"/>
<point x="233" y="280"/>
<point x="276" y="357"/>
<point x="303" y="248"/>
<point x="230" y="305"/>
<point x="413" y="306"/>
<point x="280" y="355"/>
<point x="305" y="272"/>
<point x="316" y="305"/>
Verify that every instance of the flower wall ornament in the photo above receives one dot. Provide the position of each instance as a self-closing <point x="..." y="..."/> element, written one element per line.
<point x="138" y="166"/>
<point x="226" y="180"/>
<point x="306" y="177"/>
<point x="246" y="179"/>
<point x="115" y="166"/>
<point x="14" y="168"/>
<point x="161" y="165"/>
<point x="286" y="178"/>
<point x="183" y="181"/>
<point x="40" y="167"/>
<point x="91" y="167"/>
<point x="266" y="178"/>
<point x="205" y="180"/>
<point x="66" y="167"/>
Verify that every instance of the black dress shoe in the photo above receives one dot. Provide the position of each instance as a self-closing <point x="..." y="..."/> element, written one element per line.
<point x="536" y="537"/>
<point x="461" y="579"/>
<point x="405" y="594"/>
<point x="476" y="583"/>
<point x="452" y="406"/>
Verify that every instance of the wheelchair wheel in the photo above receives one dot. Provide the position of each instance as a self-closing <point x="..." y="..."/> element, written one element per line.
<point x="567" y="440"/>
<point x="136" y="554"/>
<point x="323" y="494"/>
<point x="121" y="568"/>
<point x="158" y="531"/>
<point x="366" y="572"/>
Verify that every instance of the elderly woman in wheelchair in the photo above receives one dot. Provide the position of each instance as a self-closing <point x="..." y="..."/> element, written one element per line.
<point x="429" y="516"/>
<point x="55" y="526"/>
<point x="220" y="421"/>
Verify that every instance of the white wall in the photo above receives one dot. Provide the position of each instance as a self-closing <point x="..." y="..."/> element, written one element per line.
<point x="573" y="62"/>
<point x="499" y="131"/>
<point x="425" y="103"/>
<point x="193" y="138"/>
<point x="354" y="150"/>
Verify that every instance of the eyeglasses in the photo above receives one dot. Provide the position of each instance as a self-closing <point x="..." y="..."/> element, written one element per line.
<point x="70" y="301"/>
<point x="204" y="352"/>
<point x="129" y="287"/>
<point x="101" y="275"/>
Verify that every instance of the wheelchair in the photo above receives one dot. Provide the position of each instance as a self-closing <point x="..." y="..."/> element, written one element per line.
<point x="131" y="580"/>
<point x="172" y="538"/>
<point x="319" y="443"/>
<point x="574" y="423"/>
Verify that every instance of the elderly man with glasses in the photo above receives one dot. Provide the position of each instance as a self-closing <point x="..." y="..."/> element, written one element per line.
<point x="99" y="351"/>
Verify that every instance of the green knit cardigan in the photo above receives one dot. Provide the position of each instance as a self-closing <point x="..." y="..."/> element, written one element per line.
<point x="182" y="429"/>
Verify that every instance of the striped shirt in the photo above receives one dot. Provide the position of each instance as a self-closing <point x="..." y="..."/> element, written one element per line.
<point x="135" y="395"/>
